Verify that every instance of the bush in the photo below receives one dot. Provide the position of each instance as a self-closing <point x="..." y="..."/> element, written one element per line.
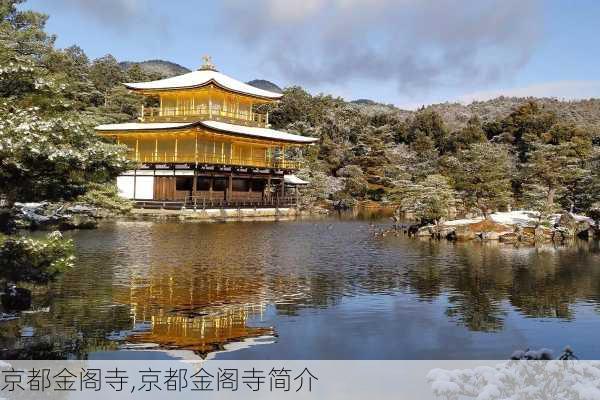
<point x="23" y="259"/>
<point x="105" y="196"/>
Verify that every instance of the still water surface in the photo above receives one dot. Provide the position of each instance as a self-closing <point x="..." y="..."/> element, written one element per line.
<point x="308" y="289"/>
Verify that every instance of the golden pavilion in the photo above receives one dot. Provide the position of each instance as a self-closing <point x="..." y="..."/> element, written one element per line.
<point x="206" y="143"/>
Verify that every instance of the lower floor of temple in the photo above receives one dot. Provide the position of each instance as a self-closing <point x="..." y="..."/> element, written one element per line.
<point x="208" y="187"/>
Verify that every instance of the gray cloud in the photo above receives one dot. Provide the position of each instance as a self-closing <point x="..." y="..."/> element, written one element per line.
<point x="123" y="16"/>
<point x="414" y="44"/>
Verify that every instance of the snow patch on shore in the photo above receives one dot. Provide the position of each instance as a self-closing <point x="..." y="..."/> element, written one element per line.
<point x="518" y="217"/>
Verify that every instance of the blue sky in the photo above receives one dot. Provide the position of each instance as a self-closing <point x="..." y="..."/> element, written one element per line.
<point x="404" y="52"/>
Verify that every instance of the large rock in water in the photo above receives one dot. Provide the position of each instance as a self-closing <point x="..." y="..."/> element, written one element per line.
<point x="464" y="232"/>
<point x="426" y="230"/>
<point x="509" y="237"/>
<point x="489" y="230"/>
<point x="573" y="225"/>
<point x="52" y="216"/>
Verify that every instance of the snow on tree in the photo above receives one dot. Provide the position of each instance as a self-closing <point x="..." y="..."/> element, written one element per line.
<point x="519" y="380"/>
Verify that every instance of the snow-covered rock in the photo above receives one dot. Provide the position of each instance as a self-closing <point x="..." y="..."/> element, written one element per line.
<point x="523" y="218"/>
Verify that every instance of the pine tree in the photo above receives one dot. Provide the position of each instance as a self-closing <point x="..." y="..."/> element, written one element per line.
<point x="431" y="199"/>
<point x="481" y="174"/>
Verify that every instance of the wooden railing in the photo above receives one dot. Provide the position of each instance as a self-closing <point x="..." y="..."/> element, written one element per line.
<point x="175" y="114"/>
<point x="204" y="202"/>
<point x="215" y="158"/>
<point x="240" y="199"/>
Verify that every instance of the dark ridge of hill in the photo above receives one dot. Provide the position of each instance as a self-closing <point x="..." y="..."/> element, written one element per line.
<point x="160" y="67"/>
<point x="265" y="85"/>
<point x="364" y="102"/>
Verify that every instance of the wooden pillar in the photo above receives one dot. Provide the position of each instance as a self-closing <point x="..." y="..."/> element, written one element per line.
<point x="230" y="186"/>
<point x="173" y="185"/>
<point x="175" y="160"/>
<point x="156" y="149"/>
<point x="137" y="149"/>
<point x="210" y="187"/>
<point x="196" y="148"/>
<point x="134" y="182"/>
<point x="195" y="183"/>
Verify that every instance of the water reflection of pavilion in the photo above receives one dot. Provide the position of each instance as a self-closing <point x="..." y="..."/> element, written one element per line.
<point x="201" y="319"/>
<point x="190" y="301"/>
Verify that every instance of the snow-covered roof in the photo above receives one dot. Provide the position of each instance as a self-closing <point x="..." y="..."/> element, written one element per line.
<point x="202" y="78"/>
<point x="137" y="126"/>
<point x="263" y="133"/>
<point x="249" y="131"/>
<point x="294" y="180"/>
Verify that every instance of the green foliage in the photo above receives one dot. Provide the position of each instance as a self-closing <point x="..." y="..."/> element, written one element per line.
<point x="23" y="259"/>
<point x="555" y="170"/>
<point x="428" y="124"/>
<point x="105" y="196"/>
<point x="431" y="199"/>
<point x="50" y="100"/>
<point x="470" y="134"/>
<point x="481" y="173"/>
<point x="52" y="157"/>
<point x="525" y="126"/>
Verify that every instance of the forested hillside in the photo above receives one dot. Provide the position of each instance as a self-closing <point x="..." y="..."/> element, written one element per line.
<point x="157" y="67"/>
<point x="445" y="158"/>
<point x="540" y="154"/>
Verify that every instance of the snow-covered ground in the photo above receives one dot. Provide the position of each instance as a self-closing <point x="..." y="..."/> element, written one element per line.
<point x="518" y="217"/>
<point x="465" y="221"/>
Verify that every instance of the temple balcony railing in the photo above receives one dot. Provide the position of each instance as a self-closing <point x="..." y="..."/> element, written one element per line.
<point x="214" y="159"/>
<point x="191" y="114"/>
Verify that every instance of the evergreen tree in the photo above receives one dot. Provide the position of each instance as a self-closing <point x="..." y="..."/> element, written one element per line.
<point x="481" y="174"/>
<point x="548" y="174"/>
<point x="427" y="123"/>
<point x="48" y="149"/>
<point x="431" y="199"/>
<point x="106" y="74"/>
<point x="461" y="139"/>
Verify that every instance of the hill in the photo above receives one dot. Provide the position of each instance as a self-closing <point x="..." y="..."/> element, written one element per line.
<point x="265" y="85"/>
<point x="160" y="67"/>
<point x="583" y="113"/>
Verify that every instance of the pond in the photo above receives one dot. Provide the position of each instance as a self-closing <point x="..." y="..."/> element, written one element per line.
<point x="308" y="289"/>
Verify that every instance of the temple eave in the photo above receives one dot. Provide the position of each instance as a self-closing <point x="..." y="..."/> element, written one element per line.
<point x="262" y="134"/>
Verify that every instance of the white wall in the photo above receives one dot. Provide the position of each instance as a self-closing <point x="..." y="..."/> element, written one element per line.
<point x="144" y="187"/>
<point x="125" y="186"/>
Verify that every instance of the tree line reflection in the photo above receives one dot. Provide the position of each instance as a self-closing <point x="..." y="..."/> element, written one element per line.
<point x="200" y="287"/>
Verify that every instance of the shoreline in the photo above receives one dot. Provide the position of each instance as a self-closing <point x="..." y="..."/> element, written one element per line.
<point x="219" y="215"/>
